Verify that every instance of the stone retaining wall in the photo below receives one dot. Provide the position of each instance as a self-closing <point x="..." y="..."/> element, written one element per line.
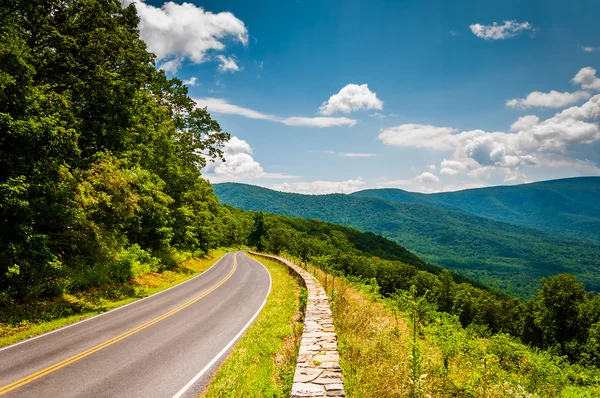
<point x="318" y="372"/>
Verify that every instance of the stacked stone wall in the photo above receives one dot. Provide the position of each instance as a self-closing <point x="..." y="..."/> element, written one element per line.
<point x="318" y="372"/>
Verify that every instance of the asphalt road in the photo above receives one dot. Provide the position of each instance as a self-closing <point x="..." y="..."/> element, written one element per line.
<point x="167" y="345"/>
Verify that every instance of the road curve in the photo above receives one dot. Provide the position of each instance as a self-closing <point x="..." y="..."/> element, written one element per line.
<point x="167" y="345"/>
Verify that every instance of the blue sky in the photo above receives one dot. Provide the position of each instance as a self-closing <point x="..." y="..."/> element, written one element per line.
<point x="341" y="96"/>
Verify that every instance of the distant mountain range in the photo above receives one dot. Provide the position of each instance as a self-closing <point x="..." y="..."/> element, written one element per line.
<point x="569" y="206"/>
<point x="465" y="231"/>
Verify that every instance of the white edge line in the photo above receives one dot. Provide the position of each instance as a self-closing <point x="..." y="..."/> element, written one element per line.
<point x="114" y="309"/>
<point x="231" y="343"/>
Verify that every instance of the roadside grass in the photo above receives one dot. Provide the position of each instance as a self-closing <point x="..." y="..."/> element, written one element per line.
<point x="380" y="358"/>
<point x="29" y="319"/>
<point x="263" y="362"/>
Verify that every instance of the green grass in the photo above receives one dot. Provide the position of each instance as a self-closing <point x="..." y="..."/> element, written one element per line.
<point x="376" y="344"/>
<point x="24" y="320"/>
<point x="262" y="364"/>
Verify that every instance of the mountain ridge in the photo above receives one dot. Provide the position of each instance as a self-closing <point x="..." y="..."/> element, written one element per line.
<point x="506" y="256"/>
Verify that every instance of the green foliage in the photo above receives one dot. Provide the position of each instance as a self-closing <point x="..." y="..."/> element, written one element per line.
<point x="567" y="206"/>
<point x="100" y="153"/>
<point x="507" y="257"/>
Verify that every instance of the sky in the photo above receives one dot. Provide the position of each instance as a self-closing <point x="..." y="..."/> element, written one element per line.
<point x="427" y="96"/>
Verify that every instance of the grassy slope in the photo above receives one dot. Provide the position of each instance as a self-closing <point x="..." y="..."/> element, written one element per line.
<point x="502" y="255"/>
<point x="376" y="346"/>
<point x="31" y="319"/>
<point x="568" y="206"/>
<point x="262" y="364"/>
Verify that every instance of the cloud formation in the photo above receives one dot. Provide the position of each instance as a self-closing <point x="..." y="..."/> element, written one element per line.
<point x="427" y="178"/>
<point x="178" y="32"/>
<point x="192" y="81"/>
<point x="321" y="187"/>
<point x="351" y="154"/>
<point x="227" y="64"/>
<point x="587" y="79"/>
<point x="588" y="49"/>
<point x="419" y="136"/>
<point x="500" y="32"/>
<point x="553" y="99"/>
<point x="239" y="165"/>
<point x="351" y="98"/>
<point x="532" y="143"/>
<point x="220" y="106"/>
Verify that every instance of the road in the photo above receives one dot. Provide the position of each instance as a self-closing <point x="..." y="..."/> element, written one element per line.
<point x="167" y="345"/>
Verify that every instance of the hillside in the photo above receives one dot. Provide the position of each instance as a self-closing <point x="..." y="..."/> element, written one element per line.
<point x="568" y="206"/>
<point x="504" y="256"/>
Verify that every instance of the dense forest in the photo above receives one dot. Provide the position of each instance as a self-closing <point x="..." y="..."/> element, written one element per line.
<point x="505" y="256"/>
<point x="562" y="318"/>
<point x="100" y="153"/>
<point x="100" y="159"/>
<point x="567" y="207"/>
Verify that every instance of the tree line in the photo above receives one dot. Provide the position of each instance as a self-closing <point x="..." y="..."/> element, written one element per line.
<point x="562" y="318"/>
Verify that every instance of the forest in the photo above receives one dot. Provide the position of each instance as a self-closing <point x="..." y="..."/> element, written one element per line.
<point x="100" y="159"/>
<point x="508" y="257"/>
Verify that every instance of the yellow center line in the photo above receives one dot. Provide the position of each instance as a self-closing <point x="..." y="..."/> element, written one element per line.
<point x="28" y="379"/>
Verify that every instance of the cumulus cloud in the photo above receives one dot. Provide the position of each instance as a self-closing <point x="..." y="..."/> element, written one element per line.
<point x="239" y="164"/>
<point x="227" y="64"/>
<point x="351" y="98"/>
<point x="587" y="79"/>
<point x="500" y="32"/>
<point x="432" y="167"/>
<point x="321" y="187"/>
<point x="418" y="135"/>
<point x="192" y="81"/>
<point x="426" y="178"/>
<point x="531" y="143"/>
<point x="553" y="99"/>
<point x="524" y="123"/>
<point x="178" y="32"/>
<point x="220" y="106"/>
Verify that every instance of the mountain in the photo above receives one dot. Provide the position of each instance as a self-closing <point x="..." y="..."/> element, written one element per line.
<point x="570" y="206"/>
<point x="505" y="256"/>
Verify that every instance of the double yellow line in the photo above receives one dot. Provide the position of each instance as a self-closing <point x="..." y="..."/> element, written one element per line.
<point x="53" y="368"/>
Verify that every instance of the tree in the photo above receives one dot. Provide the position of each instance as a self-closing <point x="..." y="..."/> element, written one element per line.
<point x="258" y="234"/>
<point x="558" y="302"/>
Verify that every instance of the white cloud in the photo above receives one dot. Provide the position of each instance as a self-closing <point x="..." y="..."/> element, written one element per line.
<point x="351" y="98"/>
<point x="239" y="165"/>
<point x="500" y="32"/>
<point x="532" y="143"/>
<point x="351" y="154"/>
<point x="432" y="167"/>
<point x="524" y="123"/>
<point x="588" y="49"/>
<point x="227" y="64"/>
<point x="427" y="178"/>
<point x="418" y="135"/>
<point x="177" y="32"/>
<point x="586" y="77"/>
<point x="553" y="99"/>
<point x="377" y="115"/>
<point x="192" y="81"/>
<point x="321" y="187"/>
<point x="220" y="106"/>
<point x="171" y="66"/>
<point x="317" y="121"/>
<point x="453" y="33"/>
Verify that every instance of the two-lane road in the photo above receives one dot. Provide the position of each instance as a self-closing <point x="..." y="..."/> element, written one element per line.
<point x="167" y="345"/>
